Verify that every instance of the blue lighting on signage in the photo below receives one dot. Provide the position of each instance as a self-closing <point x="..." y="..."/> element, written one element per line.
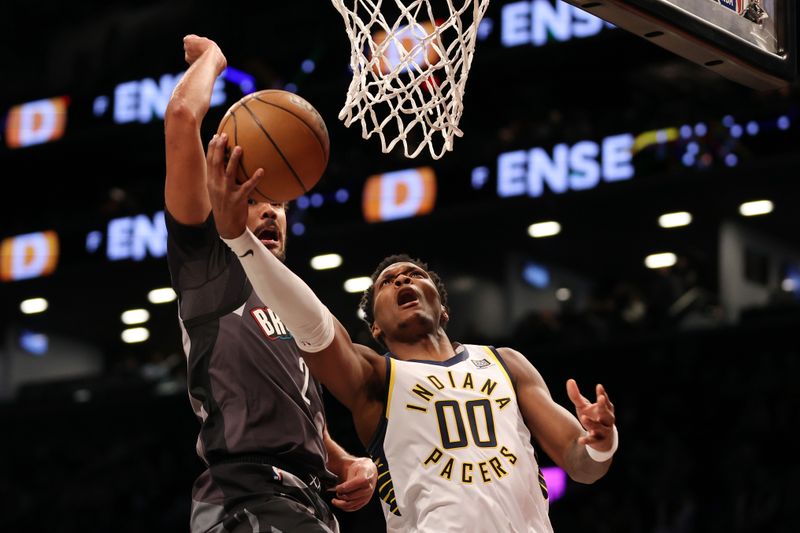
<point x="538" y="22"/>
<point x="485" y="29"/>
<point x="245" y="81"/>
<point x="93" y="241"/>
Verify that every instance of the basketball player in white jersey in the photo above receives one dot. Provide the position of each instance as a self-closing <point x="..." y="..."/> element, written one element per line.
<point x="449" y="425"/>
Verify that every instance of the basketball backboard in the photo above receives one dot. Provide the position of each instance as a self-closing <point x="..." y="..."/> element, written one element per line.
<point x="753" y="42"/>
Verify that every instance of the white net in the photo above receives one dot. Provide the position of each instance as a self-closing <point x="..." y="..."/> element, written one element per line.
<point x="410" y="61"/>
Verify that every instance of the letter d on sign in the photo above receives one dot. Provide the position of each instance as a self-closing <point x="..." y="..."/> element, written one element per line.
<point x="400" y="194"/>
<point x="36" y="122"/>
<point x="28" y="256"/>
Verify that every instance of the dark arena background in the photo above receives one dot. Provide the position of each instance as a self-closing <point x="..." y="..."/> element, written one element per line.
<point x="690" y="320"/>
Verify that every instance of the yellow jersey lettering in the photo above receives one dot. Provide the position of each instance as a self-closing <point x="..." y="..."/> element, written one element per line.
<point x="489" y="470"/>
<point x="488" y="387"/>
<point x="508" y="455"/>
<point x="484" y="472"/>
<point x="466" y="473"/>
<point x="502" y="402"/>
<point x="497" y="467"/>
<point x="422" y="392"/>
<point x="434" y="457"/>
<point x="468" y="382"/>
<point x="416" y="408"/>
<point x="436" y="383"/>
<point x="447" y="471"/>
<point x="452" y="381"/>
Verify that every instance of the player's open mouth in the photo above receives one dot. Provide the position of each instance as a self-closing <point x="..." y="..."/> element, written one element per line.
<point x="407" y="297"/>
<point x="269" y="236"/>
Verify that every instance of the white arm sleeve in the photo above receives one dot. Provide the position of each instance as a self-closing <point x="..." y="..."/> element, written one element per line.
<point x="309" y="321"/>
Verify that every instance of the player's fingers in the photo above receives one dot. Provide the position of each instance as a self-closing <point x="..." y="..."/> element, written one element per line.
<point x="352" y="485"/>
<point x="346" y="505"/>
<point x="605" y="411"/>
<point x="601" y="439"/>
<point x="341" y="504"/>
<point x="210" y="153"/>
<point x="606" y="400"/>
<point x="357" y="494"/>
<point x="575" y="395"/>
<point x="593" y="425"/>
<point x="347" y="486"/>
<point x="252" y="182"/>
<point x="214" y="161"/>
<point x="601" y="391"/>
<point x="231" y="169"/>
<point x="597" y="412"/>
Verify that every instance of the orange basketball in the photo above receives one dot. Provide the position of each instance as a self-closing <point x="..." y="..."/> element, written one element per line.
<point x="283" y="134"/>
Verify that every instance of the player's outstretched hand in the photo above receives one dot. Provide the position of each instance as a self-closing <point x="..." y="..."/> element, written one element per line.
<point x="596" y="418"/>
<point x="228" y="198"/>
<point x="194" y="46"/>
<point x="356" y="490"/>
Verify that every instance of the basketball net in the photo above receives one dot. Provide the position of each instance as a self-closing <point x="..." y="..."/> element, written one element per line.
<point x="410" y="64"/>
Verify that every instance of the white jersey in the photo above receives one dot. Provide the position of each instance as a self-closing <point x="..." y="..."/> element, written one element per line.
<point x="453" y="452"/>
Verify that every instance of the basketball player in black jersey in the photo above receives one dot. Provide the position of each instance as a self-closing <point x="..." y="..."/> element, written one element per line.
<point x="263" y="436"/>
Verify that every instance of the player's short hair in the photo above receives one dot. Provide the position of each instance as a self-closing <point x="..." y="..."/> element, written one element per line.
<point x="368" y="298"/>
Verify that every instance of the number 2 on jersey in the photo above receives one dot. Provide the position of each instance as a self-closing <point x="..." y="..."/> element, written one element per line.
<point x="304" y="368"/>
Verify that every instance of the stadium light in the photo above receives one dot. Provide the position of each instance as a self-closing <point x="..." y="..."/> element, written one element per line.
<point x="544" y="229"/>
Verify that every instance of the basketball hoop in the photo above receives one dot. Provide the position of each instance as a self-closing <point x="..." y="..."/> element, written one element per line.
<point x="410" y="61"/>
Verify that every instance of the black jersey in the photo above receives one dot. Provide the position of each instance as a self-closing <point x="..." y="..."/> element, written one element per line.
<point x="248" y="385"/>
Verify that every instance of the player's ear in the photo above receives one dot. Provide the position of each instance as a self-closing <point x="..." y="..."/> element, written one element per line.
<point x="445" y="318"/>
<point x="376" y="331"/>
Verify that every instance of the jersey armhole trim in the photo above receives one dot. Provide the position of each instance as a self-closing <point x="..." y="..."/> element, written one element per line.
<point x="390" y="371"/>
<point x="494" y="354"/>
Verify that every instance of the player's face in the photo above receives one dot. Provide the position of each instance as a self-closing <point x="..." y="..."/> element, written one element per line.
<point x="268" y="222"/>
<point x="407" y="303"/>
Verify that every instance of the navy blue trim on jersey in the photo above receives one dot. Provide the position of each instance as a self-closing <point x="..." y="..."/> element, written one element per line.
<point x="375" y="446"/>
<point x="384" y="486"/>
<point x="505" y="366"/>
<point x="457" y="358"/>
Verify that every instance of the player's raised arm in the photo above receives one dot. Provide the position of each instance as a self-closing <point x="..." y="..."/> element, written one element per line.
<point x="583" y="449"/>
<point x="349" y="371"/>
<point x="185" y="191"/>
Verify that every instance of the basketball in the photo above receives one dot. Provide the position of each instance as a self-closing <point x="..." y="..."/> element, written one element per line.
<point x="283" y="134"/>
